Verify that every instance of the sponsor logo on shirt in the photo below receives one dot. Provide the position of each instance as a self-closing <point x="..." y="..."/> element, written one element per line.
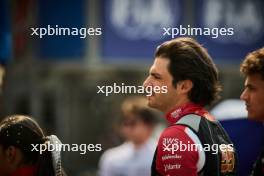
<point x="171" y="167"/>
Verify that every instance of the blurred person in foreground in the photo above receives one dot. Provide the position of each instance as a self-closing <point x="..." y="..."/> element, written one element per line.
<point x="191" y="145"/>
<point x="17" y="158"/>
<point x="133" y="157"/>
<point x="253" y="95"/>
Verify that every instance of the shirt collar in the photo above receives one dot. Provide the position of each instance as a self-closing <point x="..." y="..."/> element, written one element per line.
<point x="189" y="108"/>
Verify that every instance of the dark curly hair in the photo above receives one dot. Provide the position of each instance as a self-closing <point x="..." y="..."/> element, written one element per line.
<point x="253" y="63"/>
<point x="190" y="61"/>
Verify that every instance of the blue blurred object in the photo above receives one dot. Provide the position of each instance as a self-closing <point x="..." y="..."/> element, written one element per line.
<point x="245" y="17"/>
<point x="65" y="14"/>
<point x="133" y="29"/>
<point x="5" y="33"/>
<point x="247" y="136"/>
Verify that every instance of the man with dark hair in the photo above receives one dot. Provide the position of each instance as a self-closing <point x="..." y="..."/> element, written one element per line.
<point x="253" y="95"/>
<point x="194" y="144"/>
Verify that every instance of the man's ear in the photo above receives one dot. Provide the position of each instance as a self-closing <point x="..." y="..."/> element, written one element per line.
<point x="185" y="86"/>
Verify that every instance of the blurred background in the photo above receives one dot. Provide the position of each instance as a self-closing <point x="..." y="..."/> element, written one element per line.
<point x="55" y="78"/>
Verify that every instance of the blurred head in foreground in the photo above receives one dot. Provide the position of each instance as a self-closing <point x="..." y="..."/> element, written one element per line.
<point x="138" y="120"/>
<point x="17" y="135"/>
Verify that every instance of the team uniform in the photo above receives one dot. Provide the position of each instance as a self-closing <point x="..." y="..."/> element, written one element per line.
<point x="259" y="166"/>
<point x="189" y="146"/>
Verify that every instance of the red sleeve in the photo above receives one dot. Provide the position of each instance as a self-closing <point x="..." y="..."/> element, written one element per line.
<point x="172" y="160"/>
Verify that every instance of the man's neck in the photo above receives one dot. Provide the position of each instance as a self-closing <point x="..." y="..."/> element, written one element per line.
<point x="177" y="104"/>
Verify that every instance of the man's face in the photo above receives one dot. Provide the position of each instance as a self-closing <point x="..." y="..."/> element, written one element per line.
<point x="253" y="95"/>
<point x="160" y="76"/>
<point x="135" y="130"/>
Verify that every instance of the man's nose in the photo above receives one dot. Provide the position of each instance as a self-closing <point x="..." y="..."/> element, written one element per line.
<point x="146" y="82"/>
<point x="244" y="95"/>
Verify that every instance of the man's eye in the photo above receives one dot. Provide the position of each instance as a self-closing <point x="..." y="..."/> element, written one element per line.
<point x="250" y="88"/>
<point x="156" y="77"/>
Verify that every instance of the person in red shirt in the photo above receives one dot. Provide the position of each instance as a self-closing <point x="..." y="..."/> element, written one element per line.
<point x="17" y="158"/>
<point x="190" y="145"/>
